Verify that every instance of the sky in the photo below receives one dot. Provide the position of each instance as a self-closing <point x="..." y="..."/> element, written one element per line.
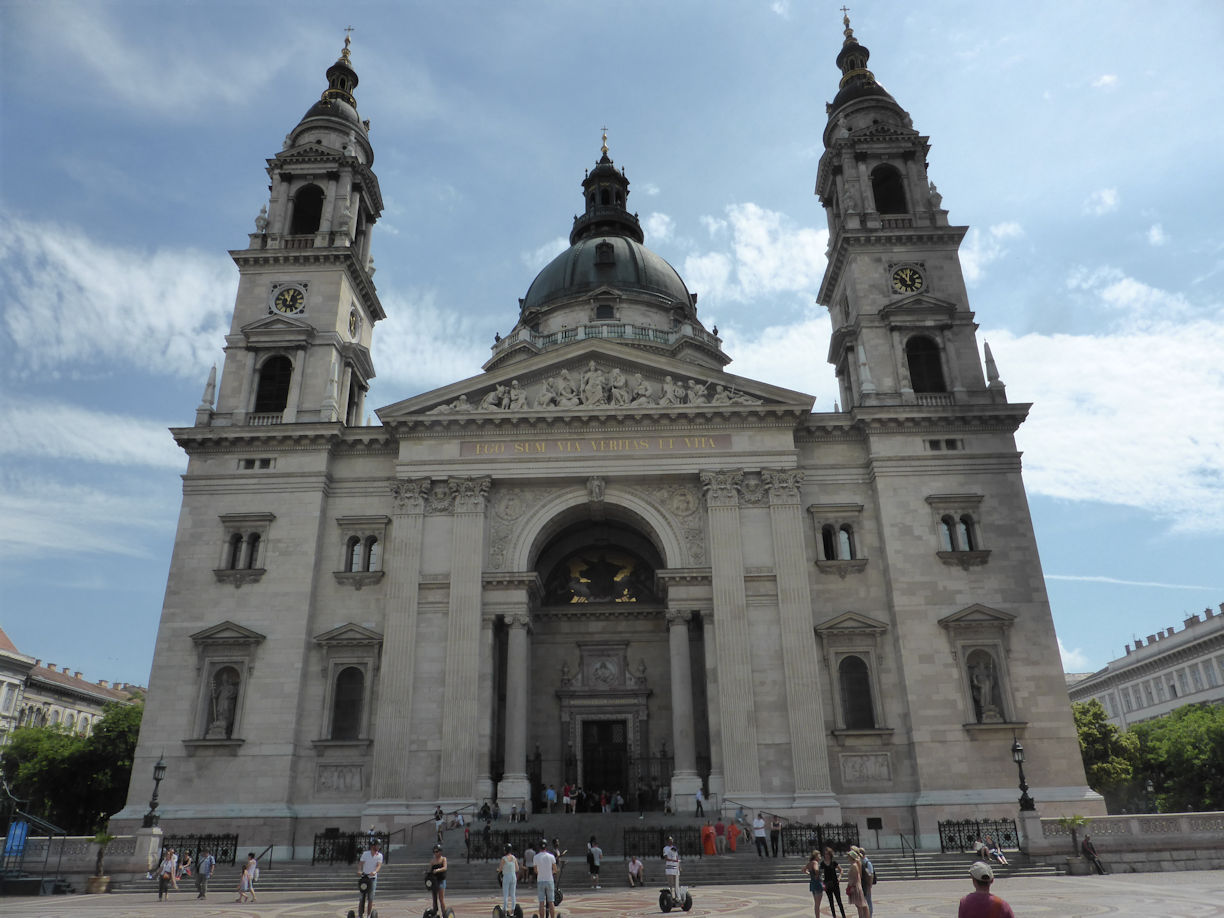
<point x="1079" y="141"/>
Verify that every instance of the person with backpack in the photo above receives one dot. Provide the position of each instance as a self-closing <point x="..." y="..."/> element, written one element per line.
<point x="869" y="879"/>
<point x="204" y="870"/>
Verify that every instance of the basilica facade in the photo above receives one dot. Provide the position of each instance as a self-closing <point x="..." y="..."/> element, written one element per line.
<point x="605" y="559"/>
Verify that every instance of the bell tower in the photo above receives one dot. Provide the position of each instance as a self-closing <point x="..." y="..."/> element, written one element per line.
<point x="298" y="350"/>
<point x="903" y="332"/>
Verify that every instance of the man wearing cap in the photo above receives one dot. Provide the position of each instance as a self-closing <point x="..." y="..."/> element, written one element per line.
<point x="371" y="863"/>
<point x="546" y="884"/>
<point x="671" y="865"/>
<point x="981" y="903"/>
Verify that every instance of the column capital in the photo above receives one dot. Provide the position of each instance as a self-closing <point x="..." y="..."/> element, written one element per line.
<point x="517" y="620"/>
<point x="469" y="494"/>
<point x="721" y="487"/>
<point x="783" y="485"/>
<point x="409" y="495"/>
<point x="678" y="617"/>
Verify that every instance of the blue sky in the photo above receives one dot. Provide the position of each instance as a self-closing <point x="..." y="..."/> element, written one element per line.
<point x="1081" y="142"/>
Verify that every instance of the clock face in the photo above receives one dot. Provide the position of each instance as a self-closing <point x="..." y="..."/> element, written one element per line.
<point x="289" y="299"/>
<point x="907" y="280"/>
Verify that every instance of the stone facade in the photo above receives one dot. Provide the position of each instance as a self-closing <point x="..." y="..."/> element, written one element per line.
<point x="1172" y="668"/>
<point x="605" y="558"/>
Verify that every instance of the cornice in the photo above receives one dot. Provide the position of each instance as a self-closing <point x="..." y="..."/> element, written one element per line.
<point x="697" y="419"/>
<point x="845" y="239"/>
<point x="1157" y="664"/>
<point x="331" y="435"/>
<point x="343" y="256"/>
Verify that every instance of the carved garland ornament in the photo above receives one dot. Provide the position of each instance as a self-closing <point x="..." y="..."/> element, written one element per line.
<point x="595" y="386"/>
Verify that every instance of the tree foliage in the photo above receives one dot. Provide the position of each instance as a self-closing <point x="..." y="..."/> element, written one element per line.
<point x="1109" y="754"/>
<point x="1182" y="754"/>
<point x="73" y="781"/>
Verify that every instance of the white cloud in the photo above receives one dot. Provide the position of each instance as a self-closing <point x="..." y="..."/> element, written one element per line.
<point x="1106" y="81"/>
<point x="420" y="346"/>
<point x="658" y="228"/>
<point x="1130" y="301"/>
<point x="1102" y="201"/>
<point x="51" y="430"/>
<point x="781" y="7"/>
<point x="1073" y="660"/>
<point x="791" y="355"/>
<point x="75" y="305"/>
<point x="542" y="255"/>
<point x="770" y="254"/>
<point x="649" y="188"/>
<point x="983" y="247"/>
<point x="1156" y="235"/>
<point x="1091" y="578"/>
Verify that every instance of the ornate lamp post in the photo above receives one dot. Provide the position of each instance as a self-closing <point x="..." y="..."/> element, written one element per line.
<point x="1026" y="802"/>
<point x="159" y="771"/>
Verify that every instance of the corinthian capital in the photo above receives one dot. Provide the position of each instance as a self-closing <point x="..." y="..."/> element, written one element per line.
<point x="678" y="617"/>
<point x="721" y="487"/>
<point x="783" y="485"/>
<point x="408" y="496"/>
<point x="469" y="493"/>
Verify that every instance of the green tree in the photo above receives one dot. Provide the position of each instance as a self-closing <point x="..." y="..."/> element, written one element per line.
<point x="73" y="781"/>
<point x="1182" y="754"/>
<point x="1109" y="754"/>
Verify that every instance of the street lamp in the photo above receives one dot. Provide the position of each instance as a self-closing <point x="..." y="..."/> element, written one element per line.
<point x="159" y="772"/>
<point x="1026" y="802"/>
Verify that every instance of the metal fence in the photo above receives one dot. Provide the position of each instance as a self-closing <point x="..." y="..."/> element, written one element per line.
<point x="223" y="847"/>
<point x="338" y="847"/>
<point x="648" y="843"/>
<point x="802" y="838"/>
<point x="963" y="834"/>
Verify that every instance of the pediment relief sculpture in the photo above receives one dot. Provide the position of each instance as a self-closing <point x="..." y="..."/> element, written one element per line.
<point x="597" y="386"/>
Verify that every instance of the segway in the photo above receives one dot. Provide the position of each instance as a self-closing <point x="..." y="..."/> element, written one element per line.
<point x="681" y="899"/>
<point x="363" y="890"/>
<point x="557" y="897"/>
<point x="432" y="911"/>
<point x="499" y="912"/>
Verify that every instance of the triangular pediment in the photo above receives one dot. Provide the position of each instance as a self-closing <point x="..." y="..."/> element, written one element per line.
<point x="978" y="614"/>
<point x="274" y="322"/>
<point x="310" y="151"/>
<point x="919" y="305"/>
<point x="597" y="377"/>
<point x="349" y="634"/>
<point x="851" y="623"/>
<point x="228" y="632"/>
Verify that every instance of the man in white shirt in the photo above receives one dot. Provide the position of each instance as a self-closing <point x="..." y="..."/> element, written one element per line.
<point x="699" y="797"/>
<point x="371" y="863"/>
<point x="637" y="876"/>
<point x="671" y="865"/>
<point x="546" y="887"/>
<point x="758" y="835"/>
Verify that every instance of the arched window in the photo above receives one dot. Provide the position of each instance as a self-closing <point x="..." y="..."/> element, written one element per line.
<point x="272" y="391"/>
<point x="70" y="722"/>
<point x="888" y="190"/>
<point x="857" y="709"/>
<point x="947" y="533"/>
<point x="845" y="543"/>
<point x="307" y="211"/>
<point x="55" y="717"/>
<point x="252" y="551"/>
<point x="964" y="532"/>
<point x="352" y="554"/>
<point x="346" y="704"/>
<point x="828" y="541"/>
<point x="234" y="561"/>
<point x="925" y="368"/>
<point x="373" y="554"/>
<point x="604" y="197"/>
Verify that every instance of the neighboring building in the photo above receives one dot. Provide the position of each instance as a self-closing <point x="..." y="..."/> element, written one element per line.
<point x="35" y="695"/>
<point x="1173" y="668"/>
<point x="605" y="559"/>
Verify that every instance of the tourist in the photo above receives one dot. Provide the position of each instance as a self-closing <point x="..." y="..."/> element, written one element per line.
<point x="637" y="872"/>
<point x="246" y="882"/>
<point x="437" y="877"/>
<point x="707" y="840"/>
<point x="371" y="863"/>
<point x="720" y="837"/>
<point x="508" y="871"/>
<point x="546" y="882"/>
<point x="1088" y="849"/>
<point x="438" y="824"/>
<point x="550" y="797"/>
<point x="995" y="851"/>
<point x="758" y="835"/>
<point x="830" y="873"/>
<point x="815" y="886"/>
<point x="700" y="799"/>
<point x="981" y="903"/>
<point x="671" y="865"/>
<point x="775" y="833"/>
<point x="204" y="871"/>
<point x="165" y="873"/>
<point x="868" y="879"/>
<point x="854" y="884"/>
<point x="594" y="859"/>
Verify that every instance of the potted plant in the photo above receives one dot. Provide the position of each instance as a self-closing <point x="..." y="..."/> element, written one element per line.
<point x="99" y="882"/>
<point x="1076" y="864"/>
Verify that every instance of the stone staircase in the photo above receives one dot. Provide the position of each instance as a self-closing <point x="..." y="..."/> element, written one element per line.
<point x="404" y="873"/>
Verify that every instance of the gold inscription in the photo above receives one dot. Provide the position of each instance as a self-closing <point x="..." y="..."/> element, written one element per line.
<point x="597" y="447"/>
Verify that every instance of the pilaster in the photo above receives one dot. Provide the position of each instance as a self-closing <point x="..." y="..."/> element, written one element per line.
<point x="717" y="784"/>
<point x="514" y="785"/>
<point x="460" y="692"/>
<point x="684" y="779"/>
<point x="742" y="771"/>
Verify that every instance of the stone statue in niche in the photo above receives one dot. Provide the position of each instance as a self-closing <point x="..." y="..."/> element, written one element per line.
<point x="223" y="703"/>
<point x="566" y="676"/>
<point x="984" y="688"/>
<point x="595" y="488"/>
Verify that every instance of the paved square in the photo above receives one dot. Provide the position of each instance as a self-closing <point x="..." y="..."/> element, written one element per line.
<point x="1198" y="894"/>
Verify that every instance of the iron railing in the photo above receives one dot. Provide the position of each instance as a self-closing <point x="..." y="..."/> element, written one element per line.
<point x="801" y="838"/>
<point x="649" y="842"/>
<point x="223" y="847"/>
<point x="339" y="847"/>
<point x="963" y="834"/>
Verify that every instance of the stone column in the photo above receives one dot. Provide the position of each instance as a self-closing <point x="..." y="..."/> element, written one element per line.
<point x="717" y="784"/>
<point x="460" y="684"/>
<point x="685" y="780"/>
<point x="514" y="784"/>
<point x="484" y="779"/>
<point x="393" y="720"/>
<point x="809" y="752"/>
<point x="295" y="385"/>
<point x="741" y="765"/>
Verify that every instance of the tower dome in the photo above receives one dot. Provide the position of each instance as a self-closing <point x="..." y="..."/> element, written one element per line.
<point x="608" y="284"/>
<point x="334" y="120"/>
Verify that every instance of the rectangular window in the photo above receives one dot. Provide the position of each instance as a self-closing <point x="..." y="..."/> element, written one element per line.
<point x="1160" y="689"/>
<point x="1109" y="706"/>
<point x="1126" y="700"/>
<point x="1209" y="672"/>
<point x="1182" y="684"/>
<point x="1196" y="677"/>
<point x="1147" y="694"/>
